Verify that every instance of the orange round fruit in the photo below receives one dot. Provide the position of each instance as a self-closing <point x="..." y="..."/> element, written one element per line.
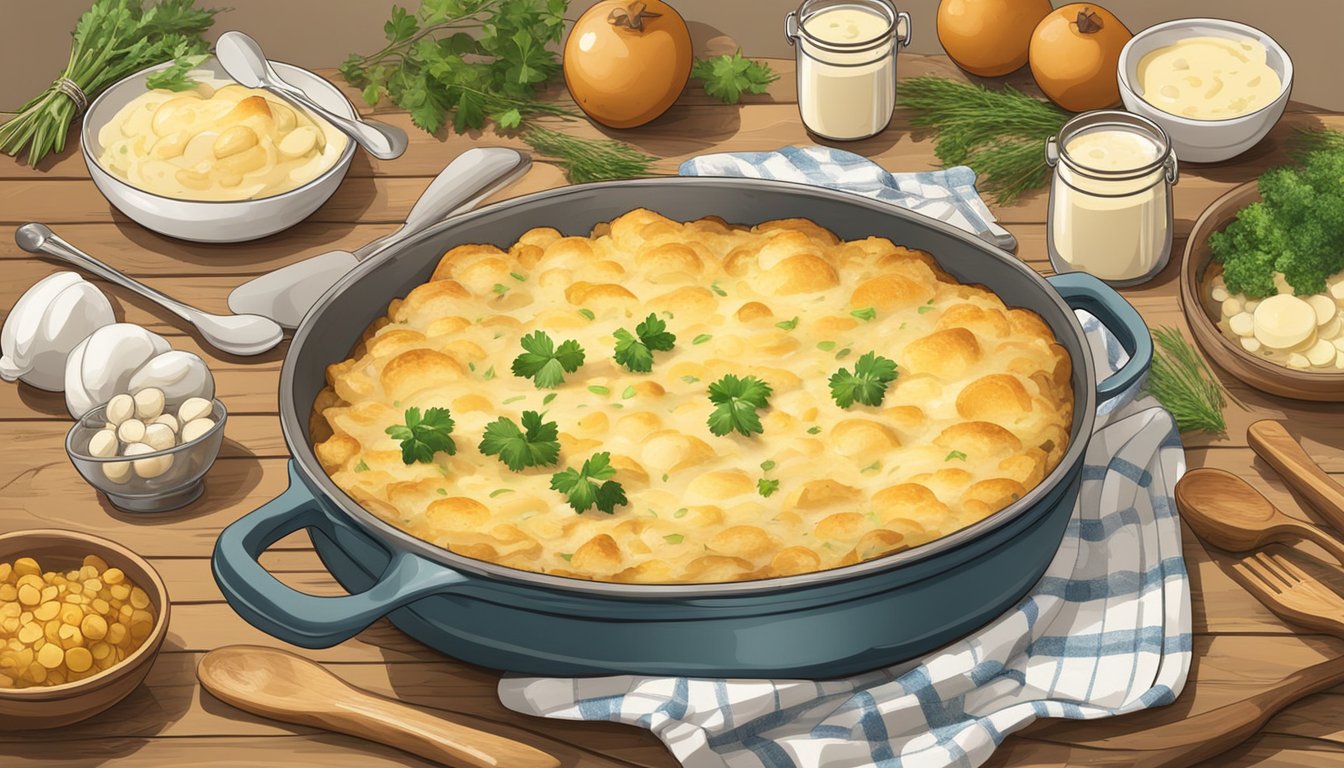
<point x="989" y="37"/>
<point x="1075" y="56"/>
<point x="626" y="62"/>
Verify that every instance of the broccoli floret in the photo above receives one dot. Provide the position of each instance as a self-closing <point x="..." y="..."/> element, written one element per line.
<point x="1298" y="230"/>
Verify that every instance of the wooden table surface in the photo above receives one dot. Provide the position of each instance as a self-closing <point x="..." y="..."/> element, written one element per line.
<point x="1239" y="645"/>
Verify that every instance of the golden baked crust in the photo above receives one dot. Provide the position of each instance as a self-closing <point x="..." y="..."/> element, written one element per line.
<point x="980" y="412"/>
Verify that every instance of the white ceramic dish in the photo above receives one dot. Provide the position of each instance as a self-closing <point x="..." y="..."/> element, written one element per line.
<point x="210" y="221"/>
<point x="1204" y="141"/>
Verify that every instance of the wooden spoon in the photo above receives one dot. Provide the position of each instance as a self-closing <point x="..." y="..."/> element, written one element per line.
<point x="1228" y="513"/>
<point x="284" y="686"/>
<point x="1271" y="442"/>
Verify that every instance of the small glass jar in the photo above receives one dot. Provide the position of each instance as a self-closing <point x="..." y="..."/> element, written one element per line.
<point x="1110" y="200"/>
<point x="846" y="52"/>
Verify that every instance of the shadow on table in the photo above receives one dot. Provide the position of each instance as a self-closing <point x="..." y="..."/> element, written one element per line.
<point x="227" y="483"/>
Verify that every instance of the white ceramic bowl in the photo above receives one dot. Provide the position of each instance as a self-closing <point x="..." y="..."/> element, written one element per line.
<point x="1204" y="141"/>
<point x="209" y="221"/>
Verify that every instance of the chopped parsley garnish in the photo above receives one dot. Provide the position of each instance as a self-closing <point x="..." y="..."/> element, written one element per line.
<point x="787" y="325"/>
<point x="500" y="289"/>
<point x="362" y="466"/>
<point x="635" y="351"/>
<point x="680" y="513"/>
<point x="867" y="384"/>
<point x="690" y="379"/>
<point x="842" y="354"/>
<point x="500" y="492"/>
<point x="588" y="313"/>
<point x="514" y="399"/>
<point x="536" y="444"/>
<point x="674" y="538"/>
<point x="591" y="486"/>
<point x="489" y="373"/>
<point x="517" y="277"/>
<point x="542" y="362"/>
<point x="766" y="487"/>
<point x="441" y="491"/>
<point x="826" y="346"/>
<point x="701" y="339"/>
<point x="548" y="399"/>
<point x="928" y="307"/>
<point x="598" y="389"/>
<point x="958" y="455"/>
<point x="814" y="430"/>
<point x="874" y="467"/>
<point x="423" y="436"/>
<point x="628" y="393"/>
<point x="867" y="313"/>
<point x="767" y="465"/>
<point x="737" y="400"/>
<point x="714" y="286"/>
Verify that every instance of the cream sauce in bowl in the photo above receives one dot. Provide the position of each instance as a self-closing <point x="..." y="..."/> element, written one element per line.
<point x="1209" y="78"/>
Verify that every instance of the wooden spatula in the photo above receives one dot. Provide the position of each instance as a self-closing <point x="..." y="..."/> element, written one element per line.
<point x="1271" y="442"/>
<point x="284" y="686"/>
<point x="1228" y="513"/>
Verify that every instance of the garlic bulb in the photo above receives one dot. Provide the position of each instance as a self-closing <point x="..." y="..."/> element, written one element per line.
<point x="102" y="365"/>
<point x="49" y="320"/>
<point x="179" y="375"/>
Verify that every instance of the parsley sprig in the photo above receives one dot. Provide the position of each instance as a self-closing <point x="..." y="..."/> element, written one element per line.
<point x="544" y="363"/>
<point x="867" y="384"/>
<point x="422" y="436"/>
<point x="736" y="401"/>
<point x="635" y="351"/>
<point x="728" y="76"/>
<point x="591" y="486"/>
<point x="536" y="444"/>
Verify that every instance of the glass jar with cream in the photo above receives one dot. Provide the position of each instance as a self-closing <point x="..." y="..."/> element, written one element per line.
<point x="1110" y="201"/>
<point x="846" y="51"/>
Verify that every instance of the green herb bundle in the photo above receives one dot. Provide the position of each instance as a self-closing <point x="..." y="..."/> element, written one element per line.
<point x="436" y="69"/>
<point x="113" y="39"/>
<point x="1184" y="385"/>
<point x="999" y="134"/>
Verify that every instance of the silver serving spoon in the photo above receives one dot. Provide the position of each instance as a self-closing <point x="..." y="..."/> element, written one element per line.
<point x="244" y="61"/>
<point x="235" y="334"/>
<point x="287" y="294"/>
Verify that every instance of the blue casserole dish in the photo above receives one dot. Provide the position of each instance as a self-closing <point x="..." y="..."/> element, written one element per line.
<point x="821" y="624"/>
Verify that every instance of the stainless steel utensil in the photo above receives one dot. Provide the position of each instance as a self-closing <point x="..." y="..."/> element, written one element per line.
<point x="234" y="334"/>
<point x="287" y="294"/>
<point x="245" y="62"/>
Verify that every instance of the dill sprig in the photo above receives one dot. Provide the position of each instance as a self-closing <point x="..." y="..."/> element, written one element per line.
<point x="1184" y="385"/>
<point x="588" y="159"/>
<point x="1000" y="134"/>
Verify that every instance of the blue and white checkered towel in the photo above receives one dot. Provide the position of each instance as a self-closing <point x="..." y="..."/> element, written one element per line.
<point x="1106" y="631"/>
<point x="948" y="195"/>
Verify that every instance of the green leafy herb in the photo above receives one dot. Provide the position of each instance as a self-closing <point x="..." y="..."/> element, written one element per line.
<point x="423" y="436"/>
<point x="787" y="325"/>
<point x="1000" y="134"/>
<point x="736" y="401"/>
<point x="714" y="286"/>
<point x="514" y="399"/>
<point x="814" y="430"/>
<point x="728" y="76"/>
<point x="500" y="492"/>
<point x="690" y="379"/>
<point x="489" y="373"/>
<point x="628" y="393"/>
<point x="548" y="399"/>
<point x="112" y="39"/>
<point x="635" y="351"/>
<point x="588" y="313"/>
<point x="591" y="486"/>
<point x="1184" y="385"/>
<point x="598" y="389"/>
<point x="518" y="277"/>
<point x="536" y="444"/>
<point x="701" y="339"/>
<point x="766" y="487"/>
<point x="680" y="513"/>
<point x="867" y="384"/>
<point x="955" y="455"/>
<point x="674" y="538"/>
<point x="767" y="465"/>
<point x="362" y="466"/>
<point x="826" y="346"/>
<point x="500" y="289"/>
<point x="542" y="362"/>
<point x="437" y="69"/>
<point x="175" y="76"/>
<point x="867" y="313"/>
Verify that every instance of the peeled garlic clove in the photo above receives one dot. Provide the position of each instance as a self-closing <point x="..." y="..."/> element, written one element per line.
<point x="131" y="431"/>
<point x="147" y="468"/>
<point x="1242" y="324"/>
<point x="117" y="471"/>
<point x="1283" y="321"/>
<point x="170" y="146"/>
<point x="244" y="162"/>
<point x="169" y="421"/>
<point x="148" y="403"/>
<point x="234" y="140"/>
<point x="104" y="444"/>
<point x="298" y="142"/>
<point x="192" y="409"/>
<point x="161" y="438"/>
<point x="1324" y="307"/>
<point x="192" y="179"/>
<point x="1250" y="344"/>
<point x="196" y="428"/>
<point x="1322" y="353"/>
<point x="119" y="409"/>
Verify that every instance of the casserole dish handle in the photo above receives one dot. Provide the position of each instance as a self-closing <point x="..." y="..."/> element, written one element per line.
<point x="1083" y="291"/>
<point x="307" y="620"/>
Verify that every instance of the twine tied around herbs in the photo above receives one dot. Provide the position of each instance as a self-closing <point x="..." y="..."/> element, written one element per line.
<point x="73" y="92"/>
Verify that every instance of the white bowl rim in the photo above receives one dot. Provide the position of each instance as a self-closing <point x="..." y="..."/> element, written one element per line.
<point x="1285" y="85"/>
<point x="341" y="163"/>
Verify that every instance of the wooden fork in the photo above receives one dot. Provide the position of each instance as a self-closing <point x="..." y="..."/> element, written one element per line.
<point x="1291" y="593"/>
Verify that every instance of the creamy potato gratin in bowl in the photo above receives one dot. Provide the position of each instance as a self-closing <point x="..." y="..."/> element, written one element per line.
<point x="668" y="402"/>
<point x="217" y="142"/>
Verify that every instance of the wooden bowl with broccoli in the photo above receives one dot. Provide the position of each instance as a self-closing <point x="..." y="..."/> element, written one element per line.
<point x="1262" y="284"/>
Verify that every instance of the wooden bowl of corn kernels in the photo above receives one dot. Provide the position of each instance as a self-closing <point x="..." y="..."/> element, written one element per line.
<point x="81" y="620"/>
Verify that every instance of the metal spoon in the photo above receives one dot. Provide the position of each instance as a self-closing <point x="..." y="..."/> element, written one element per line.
<point x="285" y="295"/>
<point x="244" y="61"/>
<point x="235" y="334"/>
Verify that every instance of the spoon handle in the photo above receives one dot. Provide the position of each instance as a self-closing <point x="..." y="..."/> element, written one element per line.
<point x="1327" y="542"/>
<point x="39" y="239"/>
<point x="383" y="141"/>
<point x="1271" y="442"/>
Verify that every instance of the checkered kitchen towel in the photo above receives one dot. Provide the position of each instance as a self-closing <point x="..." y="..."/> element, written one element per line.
<point x="1106" y="631"/>
<point x="948" y="195"/>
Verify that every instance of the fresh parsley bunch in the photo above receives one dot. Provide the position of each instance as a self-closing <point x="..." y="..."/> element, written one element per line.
<point x="635" y="351"/>
<point x="423" y="435"/>
<point x="536" y="444"/>
<point x="544" y="363"/>
<point x="736" y="401"/>
<point x="730" y="75"/>
<point x="867" y="384"/>
<point x="591" y="486"/>
<point x="113" y="39"/>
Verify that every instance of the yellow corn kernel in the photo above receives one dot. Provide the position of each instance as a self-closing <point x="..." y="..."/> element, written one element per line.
<point x="100" y="650"/>
<point x="56" y="677"/>
<point x="6" y="571"/>
<point x="101" y="606"/>
<point x="51" y="656"/>
<point x="25" y="566"/>
<point x="116" y="634"/>
<point x="35" y="673"/>
<point x="30" y="633"/>
<point x="94" y="627"/>
<point x="96" y="562"/>
<point x="113" y="576"/>
<point x="119" y="592"/>
<point x="78" y="659"/>
<point x="47" y="611"/>
<point x="71" y="614"/>
<point x="8" y="592"/>
<point x="29" y="595"/>
<point x="139" y="599"/>
<point x="49" y="593"/>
